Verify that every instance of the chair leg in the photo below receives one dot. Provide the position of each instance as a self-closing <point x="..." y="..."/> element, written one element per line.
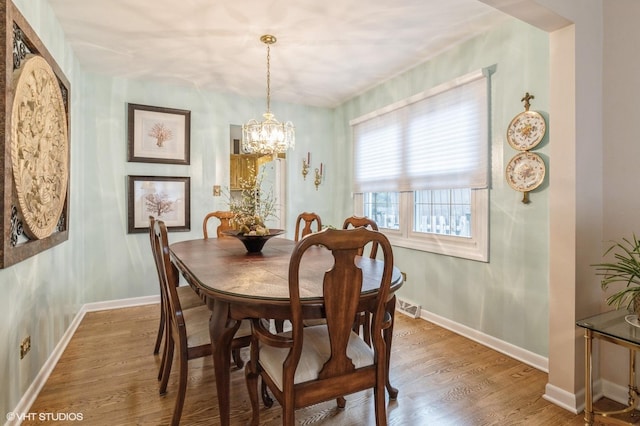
<point x="251" y="379"/>
<point x="237" y="358"/>
<point x="366" y="327"/>
<point x="380" y="405"/>
<point x="165" y="349"/>
<point x="156" y="348"/>
<point x="266" y="398"/>
<point x="288" y="415"/>
<point x="169" y="345"/>
<point x="363" y="320"/>
<point x="182" y="390"/>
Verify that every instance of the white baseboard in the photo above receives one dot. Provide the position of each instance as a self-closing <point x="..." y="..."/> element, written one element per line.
<point x="613" y="391"/>
<point x="569" y="401"/>
<point x="30" y="395"/>
<point x="528" y="357"/>
<point x="121" y="303"/>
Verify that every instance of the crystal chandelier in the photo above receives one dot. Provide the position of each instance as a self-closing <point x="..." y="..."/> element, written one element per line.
<point x="269" y="136"/>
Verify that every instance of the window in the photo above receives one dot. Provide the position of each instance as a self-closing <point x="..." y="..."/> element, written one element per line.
<point x="421" y="168"/>
<point x="443" y="211"/>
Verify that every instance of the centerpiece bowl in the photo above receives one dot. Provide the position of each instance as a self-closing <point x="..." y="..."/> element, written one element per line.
<point x="254" y="243"/>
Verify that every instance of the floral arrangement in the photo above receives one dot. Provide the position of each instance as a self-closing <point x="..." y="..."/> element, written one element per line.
<point x="253" y="207"/>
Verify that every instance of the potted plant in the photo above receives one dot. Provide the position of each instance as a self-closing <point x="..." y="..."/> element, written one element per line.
<point x="625" y="269"/>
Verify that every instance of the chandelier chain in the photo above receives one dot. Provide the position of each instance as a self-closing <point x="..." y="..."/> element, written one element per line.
<point x="268" y="78"/>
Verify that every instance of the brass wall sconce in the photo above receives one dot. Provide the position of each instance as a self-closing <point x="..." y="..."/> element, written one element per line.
<point x="318" y="180"/>
<point x="305" y="166"/>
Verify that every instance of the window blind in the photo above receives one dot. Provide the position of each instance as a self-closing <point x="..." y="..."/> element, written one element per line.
<point x="435" y="140"/>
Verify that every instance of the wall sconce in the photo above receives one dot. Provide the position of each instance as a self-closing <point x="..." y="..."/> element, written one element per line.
<point x="318" y="180"/>
<point x="305" y="166"/>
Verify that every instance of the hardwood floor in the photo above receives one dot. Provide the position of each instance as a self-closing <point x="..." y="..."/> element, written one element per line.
<point x="108" y="376"/>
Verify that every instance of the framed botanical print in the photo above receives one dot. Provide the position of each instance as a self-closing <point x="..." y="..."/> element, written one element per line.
<point x="165" y="198"/>
<point x="158" y="135"/>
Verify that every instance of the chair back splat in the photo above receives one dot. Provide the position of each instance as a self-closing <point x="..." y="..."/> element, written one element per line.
<point x="306" y="220"/>
<point x="225" y="223"/>
<point x="363" y="319"/>
<point x="357" y="221"/>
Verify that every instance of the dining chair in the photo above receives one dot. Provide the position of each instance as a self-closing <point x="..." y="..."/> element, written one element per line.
<point x="308" y="219"/>
<point x="312" y="364"/>
<point x="187" y="295"/>
<point x="363" y="319"/>
<point x="225" y="223"/>
<point x="188" y="328"/>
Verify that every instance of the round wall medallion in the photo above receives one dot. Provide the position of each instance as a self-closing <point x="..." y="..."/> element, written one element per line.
<point x="39" y="146"/>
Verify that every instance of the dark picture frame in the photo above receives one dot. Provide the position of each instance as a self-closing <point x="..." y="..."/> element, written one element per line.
<point x="166" y="198"/>
<point x="158" y="135"/>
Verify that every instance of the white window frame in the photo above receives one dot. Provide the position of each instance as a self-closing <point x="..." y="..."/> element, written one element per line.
<point x="474" y="248"/>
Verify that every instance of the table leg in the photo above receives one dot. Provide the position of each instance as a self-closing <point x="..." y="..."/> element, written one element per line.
<point x="588" y="380"/>
<point x="222" y="330"/>
<point x="633" y="389"/>
<point x="388" y="337"/>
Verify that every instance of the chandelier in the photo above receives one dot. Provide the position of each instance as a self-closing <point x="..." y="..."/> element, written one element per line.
<point x="269" y="136"/>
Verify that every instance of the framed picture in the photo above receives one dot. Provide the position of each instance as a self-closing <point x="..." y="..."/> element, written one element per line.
<point x="158" y="135"/>
<point x="165" y="198"/>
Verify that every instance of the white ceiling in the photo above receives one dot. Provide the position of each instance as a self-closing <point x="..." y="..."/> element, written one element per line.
<point x="327" y="51"/>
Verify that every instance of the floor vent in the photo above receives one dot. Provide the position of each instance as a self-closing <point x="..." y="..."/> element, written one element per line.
<point x="408" y="308"/>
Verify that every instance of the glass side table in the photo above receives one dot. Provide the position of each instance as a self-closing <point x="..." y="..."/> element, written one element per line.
<point x="615" y="327"/>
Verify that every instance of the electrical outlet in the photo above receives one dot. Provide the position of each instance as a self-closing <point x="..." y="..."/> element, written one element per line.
<point x="25" y="346"/>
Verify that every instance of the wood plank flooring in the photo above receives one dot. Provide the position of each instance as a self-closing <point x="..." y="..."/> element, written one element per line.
<point x="108" y="374"/>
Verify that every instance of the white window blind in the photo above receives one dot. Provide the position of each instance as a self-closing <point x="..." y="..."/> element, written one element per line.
<point x="435" y="140"/>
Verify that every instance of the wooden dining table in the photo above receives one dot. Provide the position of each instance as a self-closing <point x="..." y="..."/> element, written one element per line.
<point x="238" y="285"/>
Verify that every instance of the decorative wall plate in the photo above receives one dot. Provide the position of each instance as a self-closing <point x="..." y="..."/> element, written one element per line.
<point x="39" y="146"/>
<point x="525" y="172"/>
<point x="526" y="130"/>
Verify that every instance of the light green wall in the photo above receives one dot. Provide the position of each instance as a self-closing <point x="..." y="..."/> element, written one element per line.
<point x="505" y="298"/>
<point x="104" y="203"/>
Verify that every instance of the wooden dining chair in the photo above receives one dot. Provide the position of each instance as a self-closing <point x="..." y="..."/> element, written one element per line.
<point x="188" y="328"/>
<point x="225" y="223"/>
<point x="363" y="319"/>
<point x="308" y="365"/>
<point x="187" y="295"/>
<point x="307" y="219"/>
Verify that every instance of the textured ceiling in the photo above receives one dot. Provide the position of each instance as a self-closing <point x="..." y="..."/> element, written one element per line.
<point x="327" y="51"/>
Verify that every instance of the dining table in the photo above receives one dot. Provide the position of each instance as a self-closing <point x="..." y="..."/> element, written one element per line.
<point x="238" y="285"/>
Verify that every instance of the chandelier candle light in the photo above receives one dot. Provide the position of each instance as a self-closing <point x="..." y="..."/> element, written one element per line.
<point x="269" y="137"/>
<point x="318" y="180"/>
<point x="305" y="166"/>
